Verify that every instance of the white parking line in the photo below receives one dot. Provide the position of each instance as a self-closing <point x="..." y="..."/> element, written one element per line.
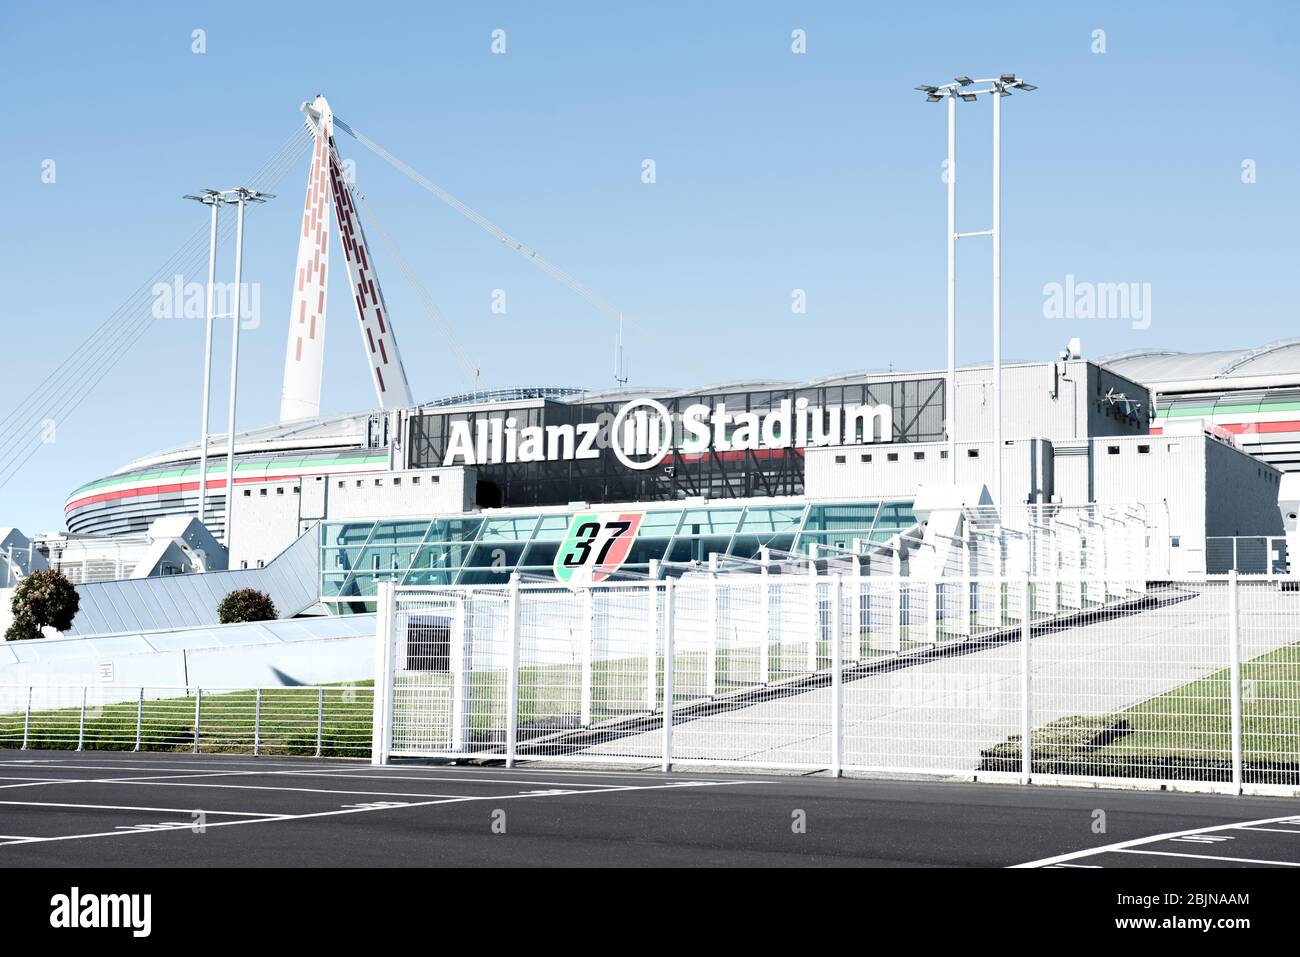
<point x="1207" y="857"/>
<point x="370" y="809"/>
<point x="1124" y="845"/>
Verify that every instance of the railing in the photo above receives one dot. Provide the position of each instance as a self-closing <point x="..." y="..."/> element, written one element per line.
<point x="328" y="720"/>
<point x="1194" y="683"/>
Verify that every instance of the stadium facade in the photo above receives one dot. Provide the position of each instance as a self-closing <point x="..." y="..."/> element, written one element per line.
<point x="473" y="488"/>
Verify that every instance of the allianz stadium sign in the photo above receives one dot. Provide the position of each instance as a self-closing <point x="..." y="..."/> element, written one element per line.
<point x="644" y="432"/>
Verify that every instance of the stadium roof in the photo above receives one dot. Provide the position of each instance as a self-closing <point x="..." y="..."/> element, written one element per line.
<point x="1153" y="366"/>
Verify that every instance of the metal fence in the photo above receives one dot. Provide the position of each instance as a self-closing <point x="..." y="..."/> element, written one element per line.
<point x="322" y="721"/>
<point x="1193" y="682"/>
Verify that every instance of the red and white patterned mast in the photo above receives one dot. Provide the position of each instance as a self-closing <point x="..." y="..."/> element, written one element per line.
<point x="305" y="354"/>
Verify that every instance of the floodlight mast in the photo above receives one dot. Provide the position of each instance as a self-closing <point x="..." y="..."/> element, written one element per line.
<point x="212" y="199"/>
<point x="997" y="88"/>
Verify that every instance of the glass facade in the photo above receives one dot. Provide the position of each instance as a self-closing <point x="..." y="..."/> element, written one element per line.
<point x="487" y="548"/>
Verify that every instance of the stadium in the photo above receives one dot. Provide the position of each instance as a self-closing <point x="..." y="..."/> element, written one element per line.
<point x="1014" y="571"/>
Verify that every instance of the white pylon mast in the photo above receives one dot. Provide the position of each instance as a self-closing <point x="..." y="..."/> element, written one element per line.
<point x="304" y="358"/>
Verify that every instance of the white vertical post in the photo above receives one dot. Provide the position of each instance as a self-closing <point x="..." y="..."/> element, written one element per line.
<point x="765" y="617"/>
<point x="933" y="618"/>
<point x="837" y="677"/>
<point x="652" y="638"/>
<point x="234" y="371"/>
<point x="462" y="662"/>
<point x="588" y="639"/>
<point x="1026" y="684"/>
<point x="198" y="716"/>
<point x="715" y="625"/>
<point x="997" y="297"/>
<point x="207" y="364"/>
<point x="1234" y="676"/>
<point x="382" y="733"/>
<point x="27" y="719"/>
<point x="859" y="603"/>
<point x="950" y="389"/>
<point x="814" y="617"/>
<point x="897" y="618"/>
<point x="139" y="719"/>
<point x="964" y="604"/>
<point x="320" y="720"/>
<point x="81" y="724"/>
<point x="257" y="722"/>
<point x="512" y="673"/>
<point x="670" y="626"/>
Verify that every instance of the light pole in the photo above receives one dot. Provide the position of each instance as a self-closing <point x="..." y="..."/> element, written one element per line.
<point x="240" y="197"/>
<point x="212" y="199"/>
<point x="969" y="91"/>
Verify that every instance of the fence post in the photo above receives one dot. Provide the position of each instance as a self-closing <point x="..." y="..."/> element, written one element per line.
<point x="1234" y="675"/>
<point x="462" y="666"/>
<point x="1026" y="684"/>
<point x="320" y="719"/>
<point x="81" y="724"/>
<point x="381" y="735"/>
<point x="933" y="623"/>
<point x="27" y="719"/>
<point x="257" y="722"/>
<point x="139" y="719"/>
<point x="765" y="617"/>
<point x="837" y="677"/>
<point x="859" y="604"/>
<point x="814" y="613"/>
<point x="715" y="624"/>
<point x="670" y="611"/>
<point x="652" y="638"/>
<point x="588" y="640"/>
<point x="512" y="673"/>
<point x="198" y="715"/>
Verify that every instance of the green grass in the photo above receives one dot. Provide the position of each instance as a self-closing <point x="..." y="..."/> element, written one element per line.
<point x="1182" y="734"/>
<point x="227" y="723"/>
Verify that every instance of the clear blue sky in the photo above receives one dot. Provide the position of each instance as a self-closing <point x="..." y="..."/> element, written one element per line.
<point x="775" y="171"/>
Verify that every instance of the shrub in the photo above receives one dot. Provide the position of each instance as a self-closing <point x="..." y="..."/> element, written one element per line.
<point x="42" y="598"/>
<point x="246" y="604"/>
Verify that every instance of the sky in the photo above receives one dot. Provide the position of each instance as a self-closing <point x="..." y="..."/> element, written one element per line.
<point x="1158" y="150"/>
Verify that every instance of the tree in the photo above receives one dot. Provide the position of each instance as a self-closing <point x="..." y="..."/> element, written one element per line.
<point x="246" y="604"/>
<point x="42" y="599"/>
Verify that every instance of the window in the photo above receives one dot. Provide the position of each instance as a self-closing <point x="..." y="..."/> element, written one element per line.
<point x="378" y="482"/>
<point x="247" y="492"/>
<point x="435" y="480"/>
<point x="1175" y="448"/>
<point x="943" y="454"/>
<point x="1175" y="540"/>
<point x="972" y="453"/>
<point x="1144" y="450"/>
<point x="918" y="456"/>
<point x="358" y="483"/>
<point x="866" y="457"/>
<point x="340" y="484"/>
<point x="397" y="481"/>
<point x="261" y="491"/>
<point x="279" y="490"/>
<point x="415" y="480"/>
<point x="892" y="456"/>
<point x="1112" y="450"/>
<point x="840" y="460"/>
<point x="295" y="489"/>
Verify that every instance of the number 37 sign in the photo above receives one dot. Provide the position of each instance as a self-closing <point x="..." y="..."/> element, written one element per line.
<point x="595" y="546"/>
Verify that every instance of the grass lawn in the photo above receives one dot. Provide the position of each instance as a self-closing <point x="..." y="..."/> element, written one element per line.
<point x="291" y="721"/>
